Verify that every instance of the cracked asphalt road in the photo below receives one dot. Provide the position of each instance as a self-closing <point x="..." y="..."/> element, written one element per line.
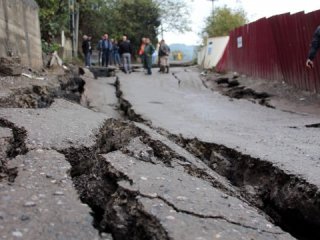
<point x="139" y="183"/>
<point x="178" y="200"/>
<point x="180" y="104"/>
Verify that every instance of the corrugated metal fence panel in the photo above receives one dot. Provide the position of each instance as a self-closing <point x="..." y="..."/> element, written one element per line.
<point x="275" y="48"/>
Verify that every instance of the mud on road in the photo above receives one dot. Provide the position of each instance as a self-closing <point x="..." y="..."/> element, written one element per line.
<point x="134" y="180"/>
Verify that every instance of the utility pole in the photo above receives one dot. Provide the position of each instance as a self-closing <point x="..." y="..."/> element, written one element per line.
<point x="74" y="25"/>
<point x="161" y="31"/>
<point x="212" y="4"/>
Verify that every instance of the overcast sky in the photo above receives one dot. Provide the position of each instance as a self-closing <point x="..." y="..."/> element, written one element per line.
<point x="255" y="9"/>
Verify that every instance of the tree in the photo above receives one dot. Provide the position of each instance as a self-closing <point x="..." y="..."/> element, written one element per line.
<point x="174" y="15"/>
<point x="223" y="20"/>
<point x="135" y="18"/>
<point x="53" y="16"/>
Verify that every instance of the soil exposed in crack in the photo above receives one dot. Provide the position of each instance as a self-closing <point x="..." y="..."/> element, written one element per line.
<point x="316" y="125"/>
<point x="125" y="106"/>
<point x="69" y="86"/>
<point x="233" y="89"/>
<point x="290" y="201"/>
<point x="116" y="210"/>
<point x="16" y="146"/>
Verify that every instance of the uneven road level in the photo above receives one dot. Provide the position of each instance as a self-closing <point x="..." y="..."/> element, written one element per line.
<point x="180" y="104"/>
<point x="270" y="155"/>
<point x="139" y="184"/>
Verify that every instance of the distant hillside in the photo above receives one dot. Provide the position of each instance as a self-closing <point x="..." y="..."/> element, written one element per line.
<point x="189" y="51"/>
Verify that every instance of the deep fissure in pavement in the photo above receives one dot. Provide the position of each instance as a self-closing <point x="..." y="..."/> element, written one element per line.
<point x="291" y="202"/>
<point x="316" y="125"/>
<point x="116" y="210"/>
<point x="15" y="146"/>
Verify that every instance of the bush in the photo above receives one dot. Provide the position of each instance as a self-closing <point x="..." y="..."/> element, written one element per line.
<point x="49" y="48"/>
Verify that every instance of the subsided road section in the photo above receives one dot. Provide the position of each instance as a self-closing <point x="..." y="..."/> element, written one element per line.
<point x="268" y="154"/>
<point x="186" y="107"/>
<point x="138" y="183"/>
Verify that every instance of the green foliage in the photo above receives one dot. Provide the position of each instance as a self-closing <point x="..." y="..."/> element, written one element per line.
<point x="174" y="15"/>
<point x="48" y="48"/>
<point x="53" y="17"/>
<point x="223" y="20"/>
<point x="135" y="18"/>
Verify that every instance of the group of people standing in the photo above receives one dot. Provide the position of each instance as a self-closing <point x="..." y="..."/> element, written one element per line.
<point x="111" y="52"/>
<point x="146" y="52"/>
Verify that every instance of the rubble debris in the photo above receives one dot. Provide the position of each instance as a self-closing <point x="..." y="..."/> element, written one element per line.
<point x="42" y="95"/>
<point x="55" y="60"/>
<point x="32" y="77"/>
<point x="233" y="83"/>
<point x="222" y="80"/>
<point x="233" y="89"/>
<point x="10" y="66"/>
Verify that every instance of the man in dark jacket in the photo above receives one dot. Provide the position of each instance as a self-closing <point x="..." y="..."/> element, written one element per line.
<point x="125" y="52"/>
<point x="86" y="49"/>
<point x="315" y="44"/>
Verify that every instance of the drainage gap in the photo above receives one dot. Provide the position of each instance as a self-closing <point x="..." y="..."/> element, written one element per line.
<point x="291" y="202"/>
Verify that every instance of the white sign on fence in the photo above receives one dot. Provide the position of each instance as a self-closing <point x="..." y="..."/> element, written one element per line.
<point x="239" y="42"/>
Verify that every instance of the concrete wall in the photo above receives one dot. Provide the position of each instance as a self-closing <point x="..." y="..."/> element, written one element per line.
<point x="20" y="31"/>
<point x="209" y="55"/>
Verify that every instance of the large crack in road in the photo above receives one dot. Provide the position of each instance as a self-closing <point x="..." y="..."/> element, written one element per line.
<point x="125" y="175"/>
<point x="289" y="200"/>
<point x="140" y="181"/>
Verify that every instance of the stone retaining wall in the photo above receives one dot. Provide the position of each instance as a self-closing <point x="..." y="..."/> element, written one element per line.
<point x="20" y="31"/>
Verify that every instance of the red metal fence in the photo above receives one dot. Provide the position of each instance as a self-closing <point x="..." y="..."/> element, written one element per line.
<point x="275" y="48"/>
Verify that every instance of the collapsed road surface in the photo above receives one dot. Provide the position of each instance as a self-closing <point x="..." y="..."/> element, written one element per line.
<point x="83" y="172"/>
